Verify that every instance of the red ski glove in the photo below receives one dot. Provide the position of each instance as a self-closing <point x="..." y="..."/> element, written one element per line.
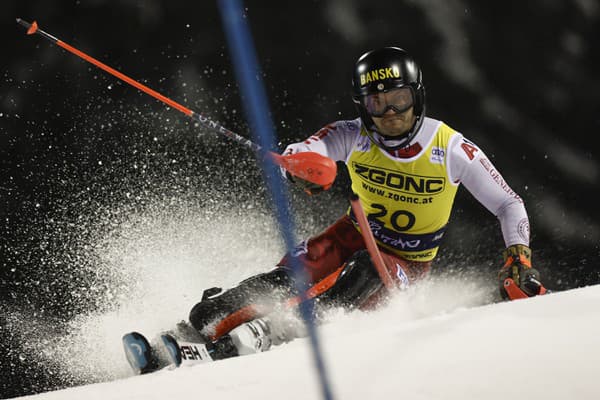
<point x="517" y="279"/>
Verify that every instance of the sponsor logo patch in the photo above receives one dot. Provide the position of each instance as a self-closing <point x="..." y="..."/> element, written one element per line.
<point x="523" y="229"/>
<point x="469" y="148"/>
<point x="351" y="125"/>
<point x="437" y="155"/>
<point x="402" y="277"/>
<point x="193" y="352"/>
<point x="380" y="74"/>
<point x="394" y="180"/>
<point x="300" y="249"/>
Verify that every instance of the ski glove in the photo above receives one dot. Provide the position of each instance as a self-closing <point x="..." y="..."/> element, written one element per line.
<point x="308" y="187"/>
<point x="517" y="278"/>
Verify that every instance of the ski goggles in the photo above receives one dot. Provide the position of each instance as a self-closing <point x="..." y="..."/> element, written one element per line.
<point x="398" y="99"/>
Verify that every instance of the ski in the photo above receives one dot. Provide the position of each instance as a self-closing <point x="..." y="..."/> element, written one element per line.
<point x="182" y="353"/>
<point x="170" y="352"/>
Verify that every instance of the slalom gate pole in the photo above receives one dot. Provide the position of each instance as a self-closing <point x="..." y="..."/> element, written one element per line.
<point x="256" y="106"/>
<point x="367" y="234"/>
<point x="309" y="166"/>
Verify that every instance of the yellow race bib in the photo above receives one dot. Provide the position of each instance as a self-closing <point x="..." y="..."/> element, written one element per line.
<point x="407" y="201"/>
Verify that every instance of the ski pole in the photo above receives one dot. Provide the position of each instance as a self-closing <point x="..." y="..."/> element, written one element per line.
<point x="309" y="166"/>
<point x="369" y="239"/>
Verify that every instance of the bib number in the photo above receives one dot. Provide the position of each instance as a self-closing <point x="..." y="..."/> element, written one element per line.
<point x="401" y="220"/>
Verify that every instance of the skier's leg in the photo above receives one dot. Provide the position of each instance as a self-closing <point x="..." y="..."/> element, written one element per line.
<point x="359" y="286"/>
<point x="357" y="282"/>
<point x="261" y="334"/>
<point x="321" y="255"/>
<point x="349" y="287"/>
<point x="252" y="298"/>
<point x="355" y="285"/>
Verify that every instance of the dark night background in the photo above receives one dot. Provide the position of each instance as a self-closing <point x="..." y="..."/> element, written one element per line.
<point x="81" y="151"/>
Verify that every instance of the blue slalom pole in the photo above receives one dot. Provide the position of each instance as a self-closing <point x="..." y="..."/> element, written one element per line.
<point x="248" y="75"/>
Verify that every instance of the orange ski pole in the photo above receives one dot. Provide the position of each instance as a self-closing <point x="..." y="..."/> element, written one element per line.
<point x="309" y="166"/>
<point x="369" y="239"/>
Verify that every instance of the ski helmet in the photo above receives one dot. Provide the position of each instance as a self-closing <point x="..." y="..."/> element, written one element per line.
<point x="381" y="70"/>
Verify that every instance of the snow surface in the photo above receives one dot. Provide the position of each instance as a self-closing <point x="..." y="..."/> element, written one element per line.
<point x="424" y="345"/>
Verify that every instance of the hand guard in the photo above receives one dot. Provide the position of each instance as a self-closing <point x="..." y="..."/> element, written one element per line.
<point x="309" y="187"/>
<point x="517" y="278"/>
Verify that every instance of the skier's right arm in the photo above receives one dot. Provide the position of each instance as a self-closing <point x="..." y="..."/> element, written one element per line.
<point x="334" y="140"/>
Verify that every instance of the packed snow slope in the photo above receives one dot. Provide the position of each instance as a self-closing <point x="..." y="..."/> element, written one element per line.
<point x="540" y="348"/>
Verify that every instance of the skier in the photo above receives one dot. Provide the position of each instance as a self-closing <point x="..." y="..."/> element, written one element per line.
<point x="406" y="169"/>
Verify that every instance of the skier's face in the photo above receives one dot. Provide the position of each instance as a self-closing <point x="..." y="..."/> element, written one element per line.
<point x="395" y="124"/>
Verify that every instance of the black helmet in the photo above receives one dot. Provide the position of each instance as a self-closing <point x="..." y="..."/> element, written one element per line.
<point x="382" y="70"/>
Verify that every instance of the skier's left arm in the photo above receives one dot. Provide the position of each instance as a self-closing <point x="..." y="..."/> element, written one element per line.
<point x="467" y="164"/>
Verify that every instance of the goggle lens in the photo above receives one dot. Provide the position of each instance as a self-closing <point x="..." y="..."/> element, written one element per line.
<point x="399" y="100"/>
